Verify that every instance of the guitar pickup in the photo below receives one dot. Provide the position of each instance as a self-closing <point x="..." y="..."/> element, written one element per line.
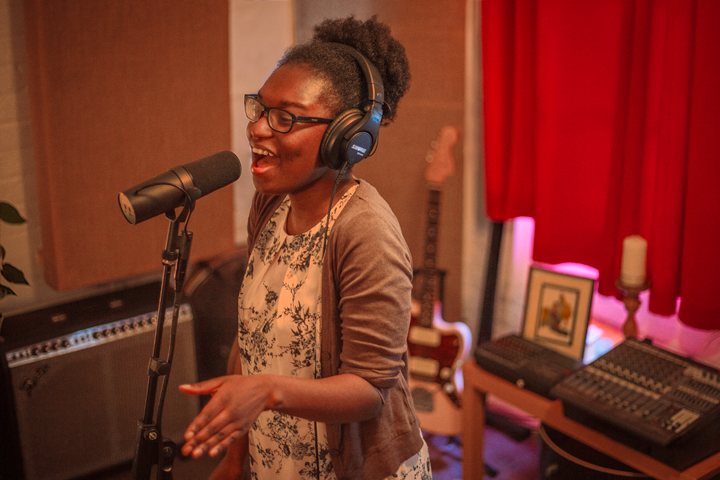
<point x="426" y="337"/>
<point x="426" y="367"/>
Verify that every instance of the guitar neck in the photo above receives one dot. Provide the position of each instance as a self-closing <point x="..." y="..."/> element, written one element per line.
<point x="430" y="273"/>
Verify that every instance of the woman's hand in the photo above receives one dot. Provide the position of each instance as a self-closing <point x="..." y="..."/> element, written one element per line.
<point x="238" y="400"/>
<point x="236" y="403"/>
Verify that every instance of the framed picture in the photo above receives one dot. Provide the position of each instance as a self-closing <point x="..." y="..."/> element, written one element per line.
<point x="557" y="311"/>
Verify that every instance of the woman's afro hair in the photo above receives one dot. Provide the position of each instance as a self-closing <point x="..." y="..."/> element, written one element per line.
<point x="373" y="40"/>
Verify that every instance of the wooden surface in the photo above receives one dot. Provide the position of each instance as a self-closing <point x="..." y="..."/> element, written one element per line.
<point x="479" y="383"/>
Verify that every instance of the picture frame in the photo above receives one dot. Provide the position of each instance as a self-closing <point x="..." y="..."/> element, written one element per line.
<point x="557" y="310"/>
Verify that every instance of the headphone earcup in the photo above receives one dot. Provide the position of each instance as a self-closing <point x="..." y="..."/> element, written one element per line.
<point x="332" y="151"/>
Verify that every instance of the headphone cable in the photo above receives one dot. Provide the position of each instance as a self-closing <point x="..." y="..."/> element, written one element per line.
<point x="341" y="174"/>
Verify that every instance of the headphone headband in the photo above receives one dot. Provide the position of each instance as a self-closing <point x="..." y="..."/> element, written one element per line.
<point x="376" y="90"/>
<point x="352" y="136"/>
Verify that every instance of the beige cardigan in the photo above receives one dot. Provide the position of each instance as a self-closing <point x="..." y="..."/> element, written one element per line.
<point x="366" y="288"/>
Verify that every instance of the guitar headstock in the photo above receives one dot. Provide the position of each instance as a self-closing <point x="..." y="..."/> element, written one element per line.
<point x="441" y="160"/>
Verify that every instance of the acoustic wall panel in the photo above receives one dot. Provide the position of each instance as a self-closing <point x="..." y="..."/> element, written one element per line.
<point x="121" y="92"/>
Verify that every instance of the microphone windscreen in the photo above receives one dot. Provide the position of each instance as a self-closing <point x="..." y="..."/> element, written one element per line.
<point x="213" y="172"/>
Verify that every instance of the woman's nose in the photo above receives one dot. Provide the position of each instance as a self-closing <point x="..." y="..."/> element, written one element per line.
<point x="260" y="128"/>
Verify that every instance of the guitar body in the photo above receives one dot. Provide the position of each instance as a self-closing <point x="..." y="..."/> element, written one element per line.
<point x="437" y="413"/>
<point x="435" y="347"/>
<point x="435" y="355"/>
<point x="436" y="350"/>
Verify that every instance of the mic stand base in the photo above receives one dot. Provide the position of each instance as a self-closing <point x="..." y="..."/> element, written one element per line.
<point x="151" y="451"/>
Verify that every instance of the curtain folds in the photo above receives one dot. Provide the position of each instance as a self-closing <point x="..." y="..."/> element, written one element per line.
<point x="600" y="122"/>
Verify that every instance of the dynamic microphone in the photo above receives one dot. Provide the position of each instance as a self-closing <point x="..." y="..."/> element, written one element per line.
<point x="171" y="189"/>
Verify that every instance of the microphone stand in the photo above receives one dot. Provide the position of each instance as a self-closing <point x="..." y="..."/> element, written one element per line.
<point x="151" y="447"/>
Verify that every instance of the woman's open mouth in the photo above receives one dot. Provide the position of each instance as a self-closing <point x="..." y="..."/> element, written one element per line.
<point x="262" y="160"/>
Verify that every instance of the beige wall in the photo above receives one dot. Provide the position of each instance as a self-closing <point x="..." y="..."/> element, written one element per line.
<point x="254" y="52"/>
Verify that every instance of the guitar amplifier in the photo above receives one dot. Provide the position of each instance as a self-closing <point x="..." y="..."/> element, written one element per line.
<point x="74" y="382"/>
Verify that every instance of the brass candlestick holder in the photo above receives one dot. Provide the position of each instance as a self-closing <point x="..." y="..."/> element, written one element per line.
<point x="631" y="294"/>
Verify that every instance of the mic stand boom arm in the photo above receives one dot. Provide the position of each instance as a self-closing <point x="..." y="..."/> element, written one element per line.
<point x="151" y="447"/>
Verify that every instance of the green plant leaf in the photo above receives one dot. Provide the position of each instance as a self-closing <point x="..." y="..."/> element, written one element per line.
<point x="13" y="274"/>
<point x="6" y="291"/>
<point x="10" y="214"/>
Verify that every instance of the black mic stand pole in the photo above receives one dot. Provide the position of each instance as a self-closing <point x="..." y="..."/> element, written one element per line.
<point x="151" y="447"/>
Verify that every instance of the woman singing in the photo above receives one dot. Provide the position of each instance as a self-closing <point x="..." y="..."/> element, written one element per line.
<point x="318" y="385"/>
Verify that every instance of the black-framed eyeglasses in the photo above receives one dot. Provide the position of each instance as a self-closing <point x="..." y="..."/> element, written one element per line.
<point x="279" y="120"/>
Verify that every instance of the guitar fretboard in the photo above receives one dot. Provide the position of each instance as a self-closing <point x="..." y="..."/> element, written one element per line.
<point x="429" y="273"/>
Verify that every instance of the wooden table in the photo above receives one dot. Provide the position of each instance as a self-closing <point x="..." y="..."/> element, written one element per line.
<point x="479" y="383"/>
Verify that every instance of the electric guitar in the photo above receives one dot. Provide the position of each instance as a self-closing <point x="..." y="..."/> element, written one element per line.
<point x="436" y="347"/>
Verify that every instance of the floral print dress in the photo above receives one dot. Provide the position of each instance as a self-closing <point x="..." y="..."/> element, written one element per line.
<point x="279" y="333"/>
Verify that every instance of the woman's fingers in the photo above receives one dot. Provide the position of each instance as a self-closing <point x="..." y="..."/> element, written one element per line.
<point x="224" y="444"/>
<point x="208" y="387"/>
<point x="206" y="416"/>
<point x="235" y="404"/>
<point x="218" y="443"/>
<point x="214" y="437"/>
<point x="218" y="424"/>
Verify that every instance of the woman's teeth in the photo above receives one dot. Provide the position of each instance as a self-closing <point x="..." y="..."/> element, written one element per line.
<point x="260" y="151"/>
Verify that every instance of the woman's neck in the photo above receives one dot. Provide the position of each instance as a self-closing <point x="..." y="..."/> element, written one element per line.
<point x="309" y="207"/>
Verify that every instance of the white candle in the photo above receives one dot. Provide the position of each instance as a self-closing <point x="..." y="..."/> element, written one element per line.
<point x="634" y="257"/>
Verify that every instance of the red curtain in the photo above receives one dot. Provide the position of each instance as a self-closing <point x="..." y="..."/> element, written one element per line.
<point x="601" y="121"/>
